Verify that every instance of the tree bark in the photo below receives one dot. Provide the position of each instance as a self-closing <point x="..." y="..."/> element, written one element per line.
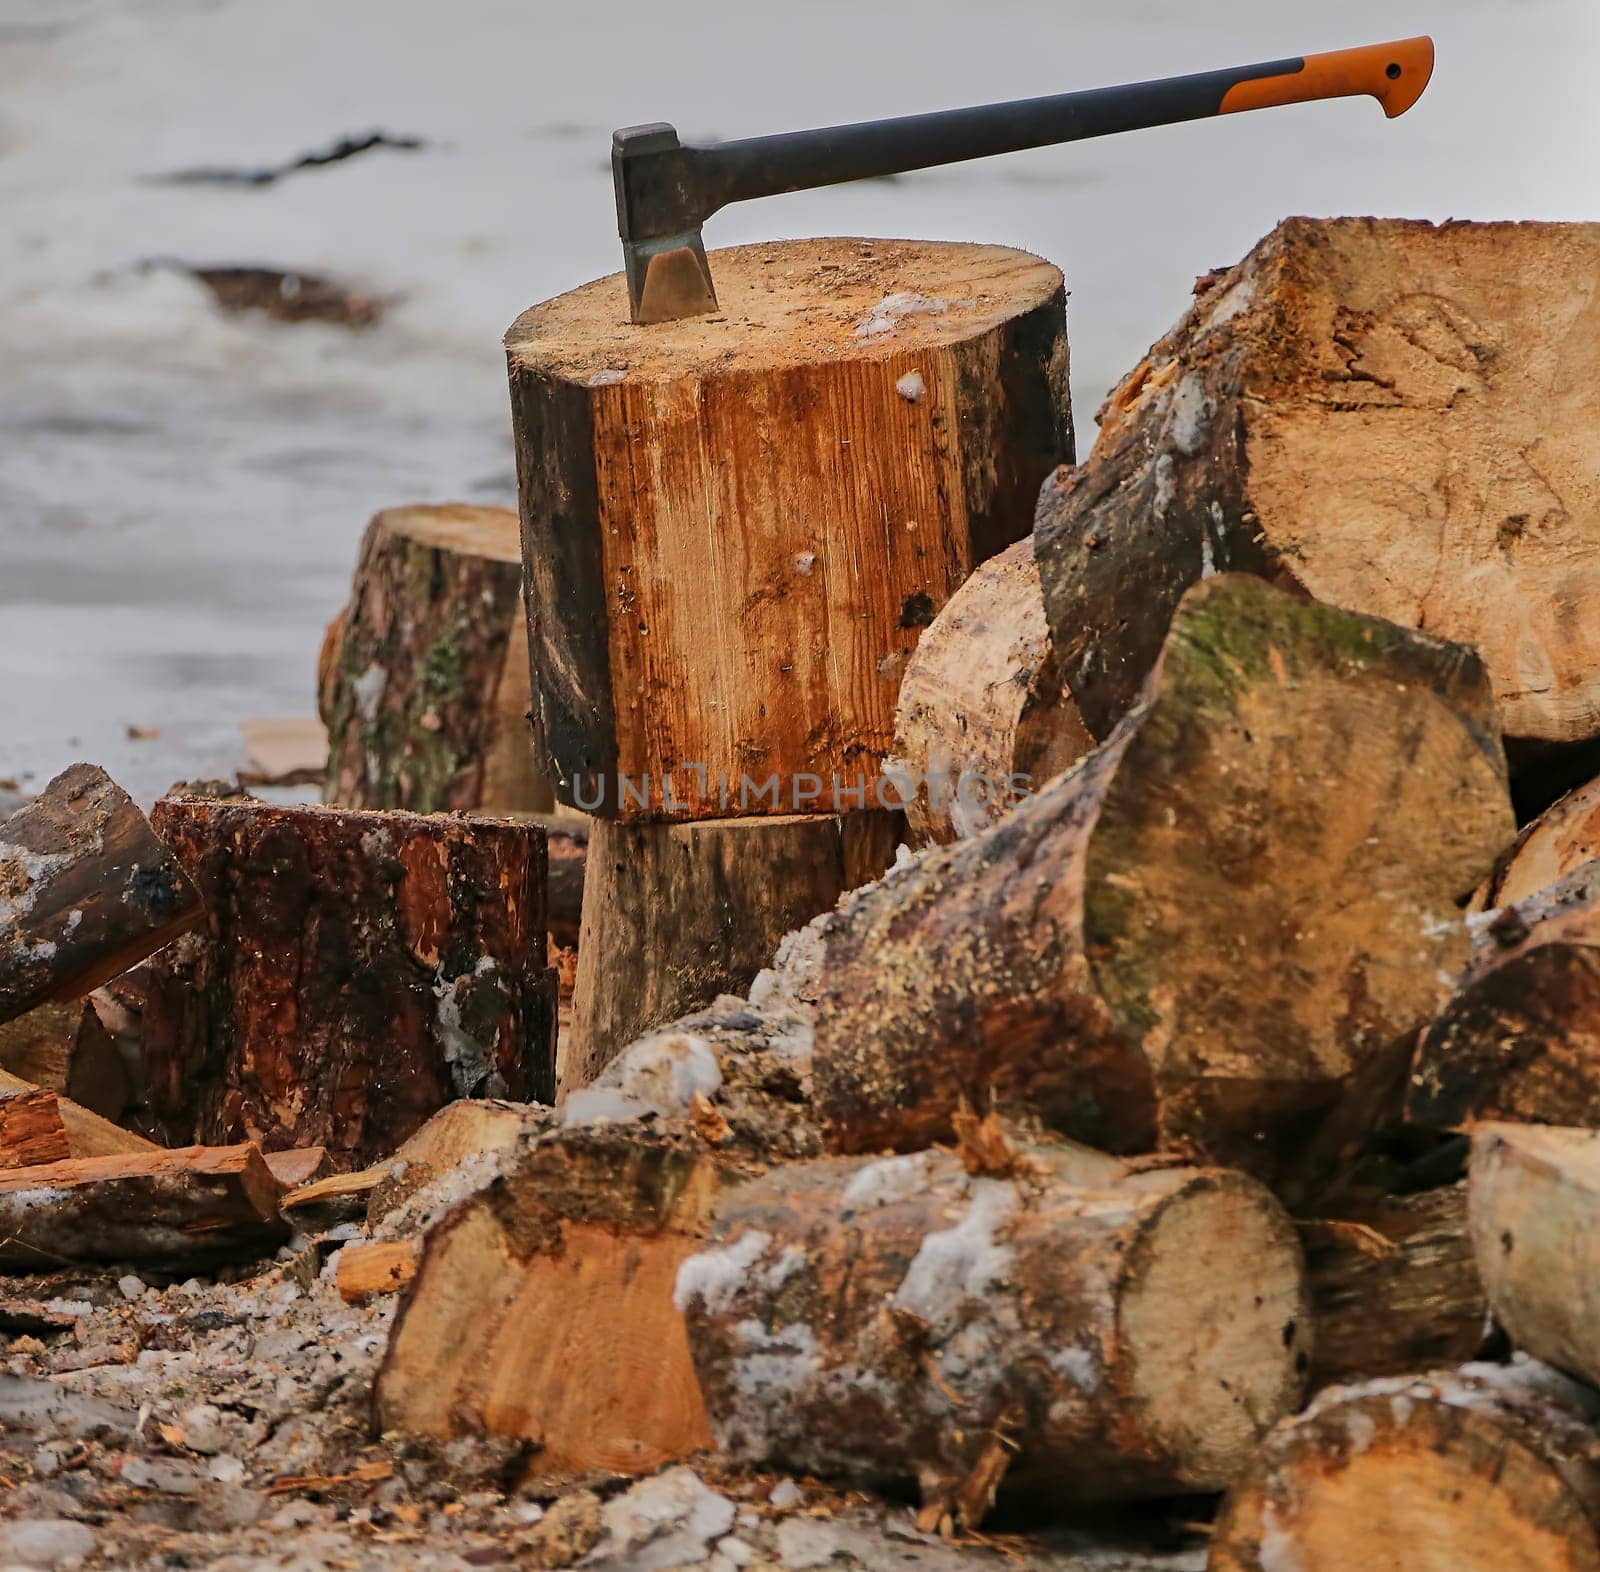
<point x="1224" y="927"/>
<point x="424" y="679"/>
<point x="895" y="1320"/>
<point x="984" y="717"/>
<point x="86" y="891"/>
<point x="735" y="527"/>
<point x="543" y="1304"/>
<point x="675" y="914"/>
<point x="31" y="1131"/>
<point x="1533" y="1210"/>
<point x="66" y="1048"/>
<point x="359" y="971"/>
<point x="1519" y="1038"/>
<point x="175" y="1209"/>
<point x="1390" y="414"/>
<point x="1560" y="841"/>
<point x="1487" y="1469"/>
<point x="1394" y="1286"/>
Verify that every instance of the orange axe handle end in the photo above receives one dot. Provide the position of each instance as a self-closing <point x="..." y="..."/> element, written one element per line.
<point x="1394" y="74"/>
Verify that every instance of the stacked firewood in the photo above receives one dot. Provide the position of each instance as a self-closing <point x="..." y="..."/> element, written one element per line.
<point x="1211" y="1112"/>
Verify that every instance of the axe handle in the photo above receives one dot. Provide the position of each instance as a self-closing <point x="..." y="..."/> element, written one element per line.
<point x="1395" y="74"/>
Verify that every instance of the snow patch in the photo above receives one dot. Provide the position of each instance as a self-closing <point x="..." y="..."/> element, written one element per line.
<point x="883" y="318"/>
<point x="962" y="1263"/>
<point x="713" y="1277"/>
<point x="368" y="689"/>
<point x="888" y="1181"/>
<point x="1189" y="420"/>
<point x="911" y="387"/>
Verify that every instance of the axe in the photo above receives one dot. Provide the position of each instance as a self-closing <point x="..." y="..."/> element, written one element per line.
<point x="666" y="190"/>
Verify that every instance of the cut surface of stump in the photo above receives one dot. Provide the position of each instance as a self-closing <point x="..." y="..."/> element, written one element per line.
<point x="1394" y="415"/>
<point x="735" y="527"/>
<point x="1519" y="1037"/>
<point x="424" y="682"/>
<point x="1085" y="1331"/>
<point x="358" y="972"/>
<point x="984" y="718"/>
<point x="676" y="914"/>
<point x="1535" y="1207"/>
<point x="1223" y="927"/>
<point x="86" y="891"/>
<point x="1486" y="1469"/>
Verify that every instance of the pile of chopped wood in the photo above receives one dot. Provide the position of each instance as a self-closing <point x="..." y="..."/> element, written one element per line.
<point x="1198" y="1139"/>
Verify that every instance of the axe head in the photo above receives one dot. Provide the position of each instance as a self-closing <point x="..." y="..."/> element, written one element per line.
<point x="659" y="214"/>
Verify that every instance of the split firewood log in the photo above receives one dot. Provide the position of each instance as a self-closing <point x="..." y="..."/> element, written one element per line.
<point x="1224" y="927"/>
<point x="542" y="1305"/>
<point x="88" y="1135"/>
<point x="86" y="891"/>
<point x="178" y="1209"/>
<point x="1394" y="415"/>
<point x="1055" y="1318"/>
<point x="66" y="1047"/>
<point x="1484" y="1469"/>
<point x="676" y="914"/>
<point x="31" y="1131"/>
<point x="1394" y="1286"/>
<point x="358" y="972"/>
<point x="1535" y="1204"/>
<point x="1560" y="841"/>
<point x="1519" y="1038"/>
<point x="424" y="684"/>
<point x="718" y="588"/>
<point x="984" y="718"/>
<point x="472" y="1127"/>
<point x="364" y="1271"/>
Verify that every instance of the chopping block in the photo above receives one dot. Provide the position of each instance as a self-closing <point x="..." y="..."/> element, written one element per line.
<point x="734" y="527"/>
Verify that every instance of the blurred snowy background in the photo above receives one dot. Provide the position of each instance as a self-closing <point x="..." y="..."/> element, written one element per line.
<point x="182" y="489"/>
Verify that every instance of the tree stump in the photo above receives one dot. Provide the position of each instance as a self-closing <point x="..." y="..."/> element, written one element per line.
<point x="86" y="891"/>
<point x="1395" y="416"/>
<point x="1519" y="1037"/>
<point x="984" y="717"/>
<point x="1534" y="1204"/>
<point x="675" y="914"/>
<point x="735" y="527"/>
<point x="1224" y="927"/>
<point x="359" y="971"/>
<point x="424" y="677"/>
<point x="1051" y="1317"/>
<point x="1488" y="1469"/>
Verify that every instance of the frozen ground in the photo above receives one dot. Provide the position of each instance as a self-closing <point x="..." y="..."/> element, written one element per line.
<point x="181" y="491"/>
